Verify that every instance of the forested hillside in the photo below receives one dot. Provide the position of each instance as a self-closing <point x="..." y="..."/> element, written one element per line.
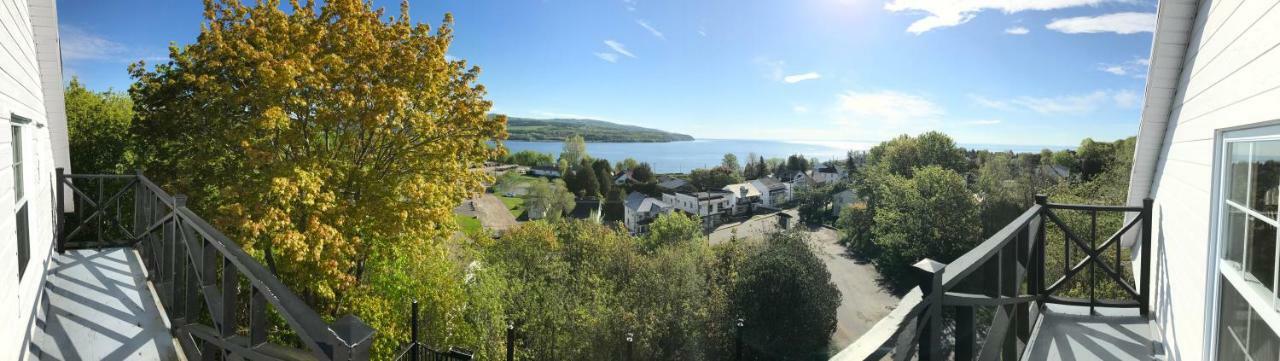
<point x="591" y="130"/>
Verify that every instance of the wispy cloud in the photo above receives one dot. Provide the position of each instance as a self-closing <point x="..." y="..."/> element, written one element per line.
<point x="78" y="44"/>
<point x="796" y="78"/>
<point x="886" y="105"/>
<point x="1065" y="104"/>
<point x="946" y="13"/>
<point x="800" y="109"/>
<point x="702" y="32"/>
<point x="629" y="4"/>
<point x="655" y="32"/>
<point x="1136" y="67"/>
<point x="1119" y="23"/>
<point x="1017" y="30"/>
<point x="609" y="57"/>
<point x="984" y="122"/>
<point x="619" y="48"/>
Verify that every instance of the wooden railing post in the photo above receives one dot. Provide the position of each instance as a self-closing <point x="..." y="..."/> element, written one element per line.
<point x="354" y="339"/>
<point x="929" y="273"/>
<point x="1144" y="299"/>
<point x="965" y="333"/>
<point x="62" y="212"/>
<point x="414" y="346"/>
<point x="511" y="341"/>
<point x="1038" y="263"/>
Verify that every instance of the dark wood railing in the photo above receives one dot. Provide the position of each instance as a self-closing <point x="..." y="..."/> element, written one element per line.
<point x="1007" y="273"/>
<point x="200" y="276"/>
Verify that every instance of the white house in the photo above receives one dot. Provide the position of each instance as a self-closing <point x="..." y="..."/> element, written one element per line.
<point x="826" y="175"/>
<point x="707" y="205"/>
<point x="772" y="192"/>
<point x="640" y="210"/>
<point x="32" y="145"/>
<point x="1208" y="153"/>
<point x="843" y="199"/>
<point x="742" y="197"/>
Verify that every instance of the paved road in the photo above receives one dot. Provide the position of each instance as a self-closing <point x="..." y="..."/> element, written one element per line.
<point x="863" y="301"/>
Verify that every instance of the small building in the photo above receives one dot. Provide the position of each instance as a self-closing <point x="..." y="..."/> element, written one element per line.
<point x="773" y="193"/>
<point x="640" y="210"/>
<point x="707" y="205"/>
<point x="743" y="197"/>
<point x="826" y="175"/>
<point x="545" y="171"/>
<point x="672" y="185"/>
<point x="625" y="177"/>
<point x="843" y="199"/>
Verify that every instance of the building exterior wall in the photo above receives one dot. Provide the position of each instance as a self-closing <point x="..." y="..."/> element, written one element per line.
<point x="28" y="56"/>
<point x="1230" y="79"/>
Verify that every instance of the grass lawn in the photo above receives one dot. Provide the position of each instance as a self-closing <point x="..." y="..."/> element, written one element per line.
<point x="468" y="224"/>
<point x="514" y="204"/>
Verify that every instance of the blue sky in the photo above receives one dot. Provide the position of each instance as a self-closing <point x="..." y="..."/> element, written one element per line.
<point x="1032" y="72"/>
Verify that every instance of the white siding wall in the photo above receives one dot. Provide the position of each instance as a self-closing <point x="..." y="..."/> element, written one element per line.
<point x="1231" y="78"/>
<point x="22" y="93"/>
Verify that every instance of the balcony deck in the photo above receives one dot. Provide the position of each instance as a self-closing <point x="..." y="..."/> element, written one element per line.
<point x="98" y="306"/>
<point x="1071" y="333"/>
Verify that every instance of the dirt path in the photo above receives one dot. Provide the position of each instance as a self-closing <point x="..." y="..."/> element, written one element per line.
<point x="492" y="213"/>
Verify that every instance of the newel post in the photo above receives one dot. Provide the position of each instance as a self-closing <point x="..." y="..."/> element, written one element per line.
<point x="1144" y="299"/>
<point x="353" y="339"/>
<point x="929" y="273"/>
<point x="1039" y="244"/>
<point x="62" y="209"/>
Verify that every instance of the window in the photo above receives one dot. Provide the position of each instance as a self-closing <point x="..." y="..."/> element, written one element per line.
<point x="21" y="222"/>
<point x="1247" y="252"/>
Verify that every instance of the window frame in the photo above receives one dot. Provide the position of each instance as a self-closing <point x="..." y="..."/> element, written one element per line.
<point x="1220" y="201"/>
<point x="21" y="201"/>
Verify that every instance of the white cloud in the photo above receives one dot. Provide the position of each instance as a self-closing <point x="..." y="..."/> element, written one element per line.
<point x="772" y="68"/>
<point x="78" y="44"/>
<point x="629" y="4"/>
<point x="1065" y="104"/>
<point x="1119" y="23"/>
<point x="1017" y="30"/>
<point x="609" y="57"/>
<point x="886" y="105"/>
<point x="946" y="13"/>
<point x="655" y="32"/>
<point x="796" y="78"/>
<point x="618" y="47"/>
<point x="702" y="32"/>
<point x="1136" y="67"/>
<point x="800" y="109"/>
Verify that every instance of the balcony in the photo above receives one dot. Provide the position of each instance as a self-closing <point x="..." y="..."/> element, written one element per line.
<point x="138" y="275"/>
<point x="1036" y="290"/>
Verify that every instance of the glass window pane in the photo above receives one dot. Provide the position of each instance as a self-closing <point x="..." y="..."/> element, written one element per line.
<point x="1262" y="339"/>
<point x="1238" y="172"/>
<point x="1266" y="178"/>
<point x="1233" y="322"/>
<point x="17" y="162"/>
<point x="1233" y="235"/>
<point x="1260" y="251"/>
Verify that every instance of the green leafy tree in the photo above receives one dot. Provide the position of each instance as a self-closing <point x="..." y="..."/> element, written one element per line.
<point x="604" y="175"/>
<point x="333" y="143"/>
<point x="714" y="178"/>
<point x="98" y="130"/>
<point x="902" y="155"/>
<point x="643" y="173"/>
<point x="626" y="164"/>
<point x="575" y="149"/>
<point x="931" y="215"/>
<point x="814" y="203"/>
<point x="730" y="161"/>
<point x="548" y="199"/>
<point x="785" y="294"/>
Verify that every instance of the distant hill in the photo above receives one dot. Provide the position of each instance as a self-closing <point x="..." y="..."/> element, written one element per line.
<point x="590" y="129"/>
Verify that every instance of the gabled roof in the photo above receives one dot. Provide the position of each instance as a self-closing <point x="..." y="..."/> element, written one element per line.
<point x="639" y="202"/>
<point x="1175" y="20"/>
<point x="673" y="183"/>
<point x="770" y="184"/>
<point x="752" y="191"/>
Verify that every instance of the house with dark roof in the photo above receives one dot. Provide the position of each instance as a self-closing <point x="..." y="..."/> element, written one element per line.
<point x="773" y="192"/>
<point x="639" y="210"/>
<point x="707" y="205"/>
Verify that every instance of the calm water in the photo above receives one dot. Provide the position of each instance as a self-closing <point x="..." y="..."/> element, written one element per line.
<point x="681" y="157"/>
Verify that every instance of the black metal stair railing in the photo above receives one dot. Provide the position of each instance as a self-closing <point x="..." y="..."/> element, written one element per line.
<point x="1007" y="274"/>
<point x="200" y="276"/>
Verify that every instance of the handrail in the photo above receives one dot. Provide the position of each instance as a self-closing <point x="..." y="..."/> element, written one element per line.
<point x="197" y="272"/>
<point x="1009" y="271"/>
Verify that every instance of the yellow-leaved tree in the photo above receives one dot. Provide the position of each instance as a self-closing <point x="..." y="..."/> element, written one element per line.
<point x="332" y="142"/>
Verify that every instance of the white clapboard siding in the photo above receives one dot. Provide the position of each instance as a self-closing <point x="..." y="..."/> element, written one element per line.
<point x="1229" y="78"/>
<point x="30" y="78"/>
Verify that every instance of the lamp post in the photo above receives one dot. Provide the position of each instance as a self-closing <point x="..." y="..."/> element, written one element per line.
<point x="737" y="353"/>
<point x="630" y="340"/>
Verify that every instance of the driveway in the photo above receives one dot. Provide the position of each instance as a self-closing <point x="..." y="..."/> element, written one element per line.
<point x="863" y="301"/>
<point x="490" y="210"/>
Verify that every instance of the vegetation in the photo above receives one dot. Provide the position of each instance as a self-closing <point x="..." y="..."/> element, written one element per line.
<point x="548" y="199"/>
<point x="714" y="178"/>
<point x="786" y="295"/>
<point x="591" y="130"/>
<point x="98" y="128"/>
<point x="468" y="224"/>
<point x="333" y="143"/>
<point x="528" y="158"/>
